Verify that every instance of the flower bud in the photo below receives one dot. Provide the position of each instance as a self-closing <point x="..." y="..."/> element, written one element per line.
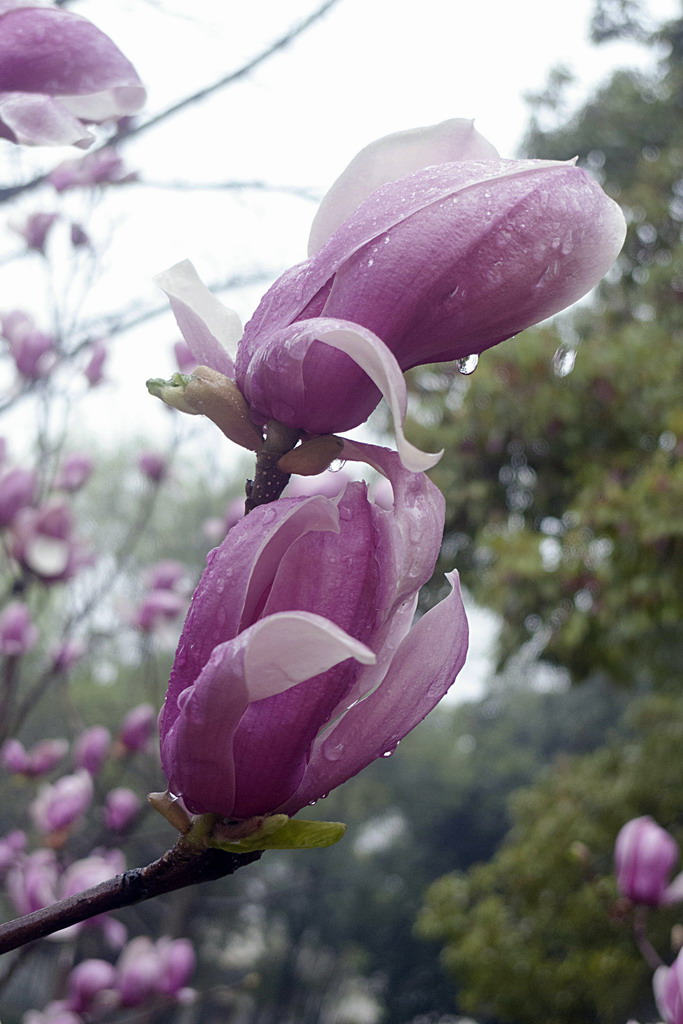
<point x="91" y="748"/>
<point x="121" y="806"/>
<point x="87" y="981"/>
<point x="644" y="855"/>
<point x="137" y="727"/>
<point x="17" y="633"/>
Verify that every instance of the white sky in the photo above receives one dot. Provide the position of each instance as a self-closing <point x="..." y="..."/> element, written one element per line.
<point x="369" y="68"/>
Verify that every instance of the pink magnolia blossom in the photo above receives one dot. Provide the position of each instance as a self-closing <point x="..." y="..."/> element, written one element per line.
<point x="158" y="606"/>
<point x="32" y="883"/>
<point x="137" y="727"/>
<point x="103" y="167"/>
<point x="44" y="543"/>
<point x="87" y="982"/>
<point x="59" y="805"/>
<point x="18" y="635"/>
<point x="11" y="847"/>
<point x="644" y="855"/>
<point x="41" y="759"/>
<point x="121" y="806"/>
<point x="297" y="665"/>
<point x="668" y="990"/>
<point x="166" y="575"/>
<point x="429" y="247"/>
<point x="153" y="466"/>
<point x="94" y="370"/>
<point x="91" y="748"/>
<point x="35" y="230"/>
<point x="17" y="490"/>
<point x="146" y="968"/>
<point x="33" y="351"/>
<point x="59" y="73"/>
<point x="74" y="472"/>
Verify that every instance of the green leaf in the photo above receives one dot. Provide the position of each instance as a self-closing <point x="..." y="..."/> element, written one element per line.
<point x="293" y="835"/>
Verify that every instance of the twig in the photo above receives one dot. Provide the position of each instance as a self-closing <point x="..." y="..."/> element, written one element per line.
<point x="179" y="867"/>
<point x="131" y="131"/>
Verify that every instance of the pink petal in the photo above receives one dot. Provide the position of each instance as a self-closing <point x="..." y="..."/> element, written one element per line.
<point x="390" y="158"/>
<point x="38" y="120"/>
<point x="269" y="658"/>
<point x="423" y="669"/>
<point x="286" y="380"/>
<point x="236" y="577"/>
<point x="210" y="329"/>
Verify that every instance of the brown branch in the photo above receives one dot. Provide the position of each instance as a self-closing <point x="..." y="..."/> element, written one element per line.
<point x="132" y="130"/>
<point x="179" y="867"/>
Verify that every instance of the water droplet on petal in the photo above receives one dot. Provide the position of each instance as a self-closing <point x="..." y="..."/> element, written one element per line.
<point x="334" y="753"/>
<point x="269" y="515"/>
<point x="468" y="364"/>
<point x="563" y="361"/>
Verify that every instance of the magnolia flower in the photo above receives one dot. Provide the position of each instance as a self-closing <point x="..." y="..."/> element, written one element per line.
<point x="39" y="760"/>
<point x="104" y="166"/>
<point x="137" y="727"/>
<point x="146" y="968"/>
<point x="668" y="991"/>
<point x="35" y="230"/>
<point x="59" y="805"/>
<point x="644" y="855"/>
<point x="57" y="74"/>
<point x="17" y="490"/>
<point x="43" y="542"/>
<point x="297" y="665"/>
<point x="153" y="466"/>
<point x="91" y="749"/>
<point x="156" y="607"/>
<point x="429" y="247"/>
<point x="18" y="634"/>
<point x="121" y="806"/>
<point x="87" y="981"/>
<point x="33" y="351"/>
<point x="74" y="472"/>
<point x="94" y="370"/>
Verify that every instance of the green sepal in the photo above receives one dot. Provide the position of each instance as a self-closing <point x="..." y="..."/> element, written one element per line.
<point x="294" y="834"/>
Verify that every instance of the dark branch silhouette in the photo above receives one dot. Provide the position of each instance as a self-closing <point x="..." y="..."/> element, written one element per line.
<point x="129" y="131"/>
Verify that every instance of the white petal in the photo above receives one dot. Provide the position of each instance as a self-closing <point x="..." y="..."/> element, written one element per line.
<point x="288" y="647"/>
<point x="390" y="158"/>
<point x="211" y="329"/>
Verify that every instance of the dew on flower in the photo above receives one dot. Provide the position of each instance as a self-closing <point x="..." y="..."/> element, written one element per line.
<point x="468" y="364"/>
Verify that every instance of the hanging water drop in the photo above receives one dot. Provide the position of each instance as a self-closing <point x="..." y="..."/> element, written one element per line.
<point x="468" y="364"/>
<point x="563" y="361"/>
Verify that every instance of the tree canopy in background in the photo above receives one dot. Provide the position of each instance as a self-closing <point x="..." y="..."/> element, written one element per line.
<point x="565" y="486"/>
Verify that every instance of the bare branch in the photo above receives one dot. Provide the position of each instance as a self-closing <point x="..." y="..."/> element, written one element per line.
<point x="178" y="868"/>
<point x="131" y="131"/>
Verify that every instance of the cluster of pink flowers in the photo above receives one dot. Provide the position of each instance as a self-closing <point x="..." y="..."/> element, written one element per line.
<point x="146" y="974"/>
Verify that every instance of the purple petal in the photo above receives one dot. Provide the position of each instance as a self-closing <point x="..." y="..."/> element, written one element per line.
<point x="271" y="657"/>
<point x="32" y="119"/>
<point x="423" y="669"/>
<point x="210" y="329"/>
<point x="285" y="381"/>
<point x="237" y="578"/>
<point x="57" y="53"/>
<point x="390" y="158"/>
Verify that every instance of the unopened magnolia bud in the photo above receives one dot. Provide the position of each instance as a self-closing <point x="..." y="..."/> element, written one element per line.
<point x="218" y="397"/>
<point x="312" y="457"/>
<point x="206" y="392"/>
<point x="172" y="392"/>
